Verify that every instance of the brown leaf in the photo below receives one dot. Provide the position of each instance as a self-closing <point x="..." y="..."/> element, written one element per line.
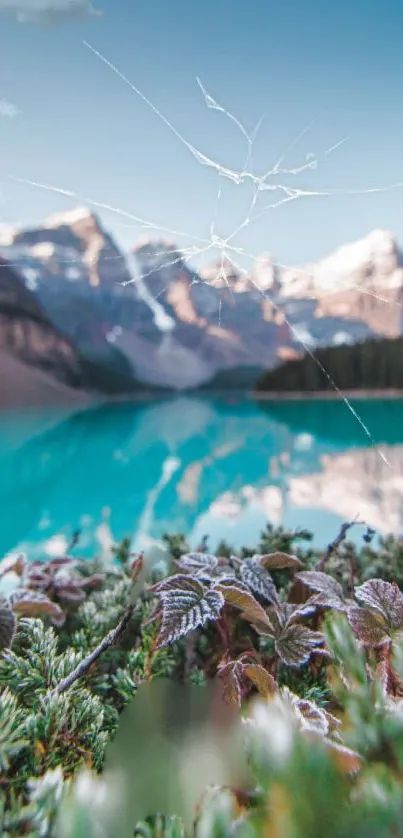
<point x="261" y="678"/>
<point x="384" y="597"/>
<point x="369" y="626"/>
<point x="328" y="592"/>
<point x="346" y="760"/>
<point x="296" y="644"/>
<point x="321" y="582"/>
<point x="37" y="579"/>
<point x="230" y="676"/>
<point x="313" y="717"/>
<point x="70" y="592"/>
<point x="136" y="568"/>
<point x="61" y="562"/>
<point x="93" y="581"/>
<point x="279" y="561"/>
<point x="27" y="603"/>
<point x="239" y="595"/>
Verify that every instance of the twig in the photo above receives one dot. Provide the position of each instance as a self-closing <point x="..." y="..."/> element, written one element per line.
<point x="335" y="544"/>
<point x="83" y="667"/>
<point x="73" y="542"/>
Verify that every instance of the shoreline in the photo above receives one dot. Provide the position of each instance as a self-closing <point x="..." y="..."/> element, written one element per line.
<point x="326" y="395"/>
<point x="89" y="399"/>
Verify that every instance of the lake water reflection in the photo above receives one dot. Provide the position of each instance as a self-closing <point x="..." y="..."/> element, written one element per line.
<point x="222" y="467"/>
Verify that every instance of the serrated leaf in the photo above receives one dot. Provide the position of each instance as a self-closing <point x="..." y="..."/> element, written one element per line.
<point x="170" y="583"/>
<point x="370" y="627"/>
<point x="230" y="676"/>
<point x="195" y="562"/>
<point x="31" y="604"/>
<point x="328" y="592"/>
<point x="320" y="582"/>
<point x="239" y="595"/>
<point x="7" y="624"/>
<point x="384" y="597"/>
<point x="186" y="605"/>
<point x="326" y="601"/>
<point x="313" y="718"/>
<point x="261" y="678"/>
<point x="296" y="644"/>
<point x="259" y="580"/>
<point x="278" y="561"/>
<point x="292" y="612"/>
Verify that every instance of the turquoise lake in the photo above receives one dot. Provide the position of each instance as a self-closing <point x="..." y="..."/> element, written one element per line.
<point x="223" y="467"/>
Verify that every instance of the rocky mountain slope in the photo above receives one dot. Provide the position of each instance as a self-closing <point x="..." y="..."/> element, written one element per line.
<point x="166" y="325"/>
<point x="38" y="364"/>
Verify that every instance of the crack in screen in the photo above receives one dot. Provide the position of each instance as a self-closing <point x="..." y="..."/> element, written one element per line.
<point x="270" y="183"/>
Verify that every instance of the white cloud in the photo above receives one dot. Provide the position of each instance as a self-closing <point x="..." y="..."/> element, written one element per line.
<point x="7" y="109"/>
<point x="48" y="12"/>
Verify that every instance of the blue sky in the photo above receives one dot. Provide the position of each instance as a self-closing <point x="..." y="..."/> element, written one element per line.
<point x="80" y="127"/>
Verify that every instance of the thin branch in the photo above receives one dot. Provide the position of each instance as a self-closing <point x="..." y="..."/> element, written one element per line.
<point x="73" y="542"/>
<point x="335" y="544"/>
<point x="83" y="667"/>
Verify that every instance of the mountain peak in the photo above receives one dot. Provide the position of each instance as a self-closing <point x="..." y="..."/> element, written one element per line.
<point x="376" y="246"/>
<point x="70" y="217"/>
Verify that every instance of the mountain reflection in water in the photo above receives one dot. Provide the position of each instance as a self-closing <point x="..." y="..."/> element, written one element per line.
<point x="198" y="466"/>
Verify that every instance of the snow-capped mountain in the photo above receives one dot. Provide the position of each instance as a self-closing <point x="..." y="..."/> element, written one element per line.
<point x="179" y="329"/>
<point x="360" y="284"/>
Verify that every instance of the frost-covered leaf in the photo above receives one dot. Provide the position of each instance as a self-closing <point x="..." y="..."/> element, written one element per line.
<point x="195" y="562"/>
<point x="311" y="717"/>
<point x="15" y="564"/>
<point x="384" y="597"/>
<point x="320" y="582"/>
<point x="96" y="580"/>
<point x="278" y="619"/>
<point x="261" y="678"/>
<point x="293" y="612"/>
<point x="278" y="561"/>
<point x="328" y="592"/>
<point x="61" y="562"/>
<point x="70" y="592"/>
<point x="296" y="644"/>
<point x="186" y="605"/>
<point x="38" y="579"/>
<point x="346" y="760"/>
<point x="326" y="601"/>
<point x="27" y="603"/>
<point x="7" y="624"/>
<point x="258" y="579"/>
<point x="237" y="594"/>
<point x="370" y="627"/>
<point x="230" y="675"/>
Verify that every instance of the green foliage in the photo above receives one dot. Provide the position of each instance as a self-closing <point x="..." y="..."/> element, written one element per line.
<point x="312" y="656"/>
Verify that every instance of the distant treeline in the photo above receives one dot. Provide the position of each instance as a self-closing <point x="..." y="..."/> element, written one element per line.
<point x="373" y="364"/>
